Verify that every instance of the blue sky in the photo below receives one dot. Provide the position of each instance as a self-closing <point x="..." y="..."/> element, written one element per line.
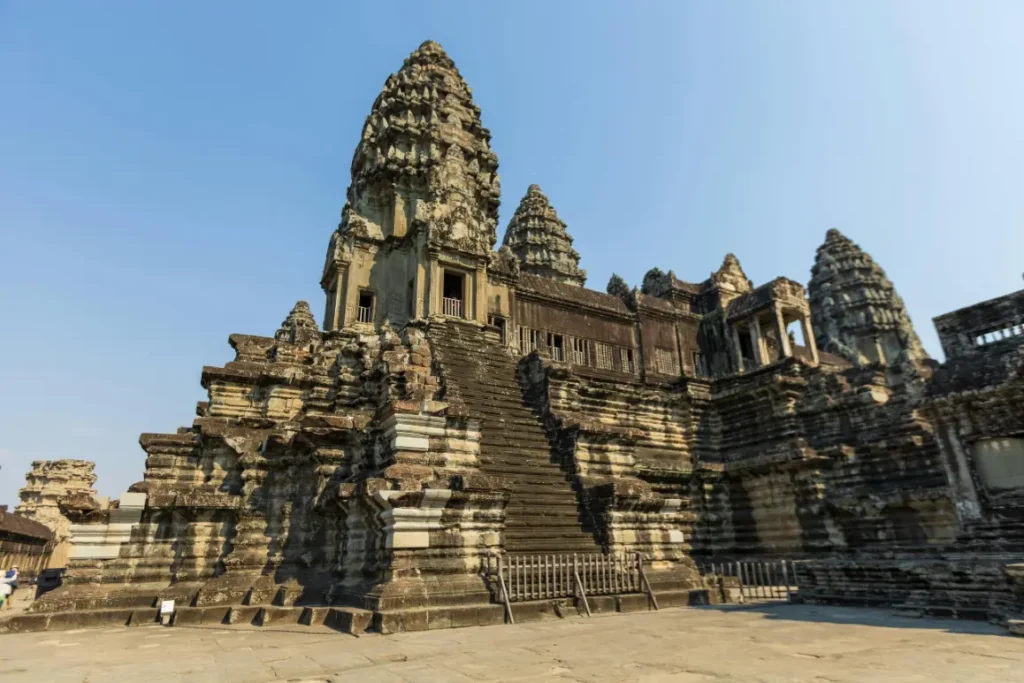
<point x="170" y="173"/>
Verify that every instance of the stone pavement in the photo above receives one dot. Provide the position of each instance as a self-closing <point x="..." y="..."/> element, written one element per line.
<point x="767" y="643"/>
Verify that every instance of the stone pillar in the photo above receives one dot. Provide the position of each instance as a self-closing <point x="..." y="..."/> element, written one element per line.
<point x="339" y="297"/>
<point x="755" y="341"/>
<point x="419" y="291"/>
<point x="808" y="332"/>
<point x="434" y="289"/>
<point x="480" y="296"/>
<point x="785" y="350"/>
<point x="738" y="348"/>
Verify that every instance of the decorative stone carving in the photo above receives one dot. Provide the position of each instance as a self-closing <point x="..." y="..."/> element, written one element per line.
<point x="425" y="160"/>
<point x="856" y="310"/>
<point x="299" y="327"/>
<point x="538" y="238"/>
<point x="730" y="276"/>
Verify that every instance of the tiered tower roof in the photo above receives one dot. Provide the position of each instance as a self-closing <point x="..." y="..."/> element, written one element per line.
<point x="539" y="239"/>
<point x="424" y="143"/>
<point x="299" y="326"/>
<point x="855" y="307"/>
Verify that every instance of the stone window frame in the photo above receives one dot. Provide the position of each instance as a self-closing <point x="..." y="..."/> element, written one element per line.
<point x="699" y="364"/>
<point x="556" y="346"/>
<point x="993" y="492"/>
<point x="627" y="360"/>
<point x="371" y="309"/>
<point x="581" y="351"/>
<point x="604" y="358"/>
<point x="665" y="361"/>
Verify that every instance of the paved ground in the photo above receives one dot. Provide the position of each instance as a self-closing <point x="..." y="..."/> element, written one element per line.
<point x="770" y="643"/>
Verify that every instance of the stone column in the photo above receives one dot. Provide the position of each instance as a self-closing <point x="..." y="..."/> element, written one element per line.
<point x="339" y="299"/>
<point x="755" y="341"/>
<point x="812" y="346"/>
<point x="480" y="296"/>
<point x="419" y="291"/>
<point x="738" y="348"/>
<point x="785" y="350"/>
<point x="434" y="289"/>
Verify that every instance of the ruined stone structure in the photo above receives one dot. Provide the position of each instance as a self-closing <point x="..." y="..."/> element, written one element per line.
<point x="56" y="491"/>
<point x="462" y="403"/>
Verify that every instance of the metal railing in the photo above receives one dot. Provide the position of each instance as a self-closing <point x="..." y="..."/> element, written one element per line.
<point x="522" y="578"/>
<point x="364" y="314"/>
<point x="452" y="307"/>
<point x="759" y="580"/>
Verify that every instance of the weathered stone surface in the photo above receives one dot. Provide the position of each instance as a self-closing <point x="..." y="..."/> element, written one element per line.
<point x="857" y="312"/>
<point x="463" y="403"/>
<point x="538" y="238"/>
<point x="57" y="492"/>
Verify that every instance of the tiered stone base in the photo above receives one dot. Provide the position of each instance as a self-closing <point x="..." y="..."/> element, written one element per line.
<point x="964" y="586"/>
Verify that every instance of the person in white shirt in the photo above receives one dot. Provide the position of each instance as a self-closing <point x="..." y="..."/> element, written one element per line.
<point x="9" y="584"/>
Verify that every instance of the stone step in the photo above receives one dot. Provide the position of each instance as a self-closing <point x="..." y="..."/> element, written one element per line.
<point x="527" y="473"/>
<point x="529" y="503"/>
<point x="539" y="527"/>
<point x="524" y="442"/>
<point x="543" y="511"/>
<point x="552" y="545"/>
<point x="500" y="456"/>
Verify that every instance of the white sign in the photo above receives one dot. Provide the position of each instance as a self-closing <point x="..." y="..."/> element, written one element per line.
<point x="167" y="607"/>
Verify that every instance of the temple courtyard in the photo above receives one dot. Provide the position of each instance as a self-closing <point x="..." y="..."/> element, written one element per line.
<point x="777" y="642"/>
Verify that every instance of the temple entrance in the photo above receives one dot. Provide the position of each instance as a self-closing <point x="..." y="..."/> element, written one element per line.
<point x="453" y="294"/>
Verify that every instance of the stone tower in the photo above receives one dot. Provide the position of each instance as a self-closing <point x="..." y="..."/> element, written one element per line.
<point x="857" y="312"/>
<point x="51" y="485"/>
<point x="422" y="211"/>
<point x="299" y="327"/>
<point x="538" y="238"/>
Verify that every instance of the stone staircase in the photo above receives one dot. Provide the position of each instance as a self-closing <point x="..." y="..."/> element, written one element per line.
<point x="543" y="514"/>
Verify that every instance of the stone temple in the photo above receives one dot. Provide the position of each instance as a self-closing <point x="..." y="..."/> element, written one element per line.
<point x="462" y="403"/>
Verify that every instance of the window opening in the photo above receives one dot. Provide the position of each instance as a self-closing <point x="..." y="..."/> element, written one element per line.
<point x="603" y="356"/>
<point x="499" y="322"/>
<point x="452" y="294"/>
<point x="699" y="365"/>
<point x="580" y="352"/>
<point x="626" y="361"/>
<point x="664" y="361"/>
<point x="365" y="310"/>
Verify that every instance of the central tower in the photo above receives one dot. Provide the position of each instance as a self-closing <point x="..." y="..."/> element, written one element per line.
<point x="421" y="215"/>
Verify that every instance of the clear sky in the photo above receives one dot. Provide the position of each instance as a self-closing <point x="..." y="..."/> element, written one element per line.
<point x="170" y="173"/>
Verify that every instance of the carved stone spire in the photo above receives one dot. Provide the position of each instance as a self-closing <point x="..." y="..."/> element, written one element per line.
<point x="538" y="238"/>
<point x="730" y="276"/>
<point x="856" y="310"/>
<point x="425" y="161"/>
<point x="299" y="327"/>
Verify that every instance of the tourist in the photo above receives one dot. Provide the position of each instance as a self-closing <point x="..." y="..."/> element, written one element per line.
<point x="9" y="584"/>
